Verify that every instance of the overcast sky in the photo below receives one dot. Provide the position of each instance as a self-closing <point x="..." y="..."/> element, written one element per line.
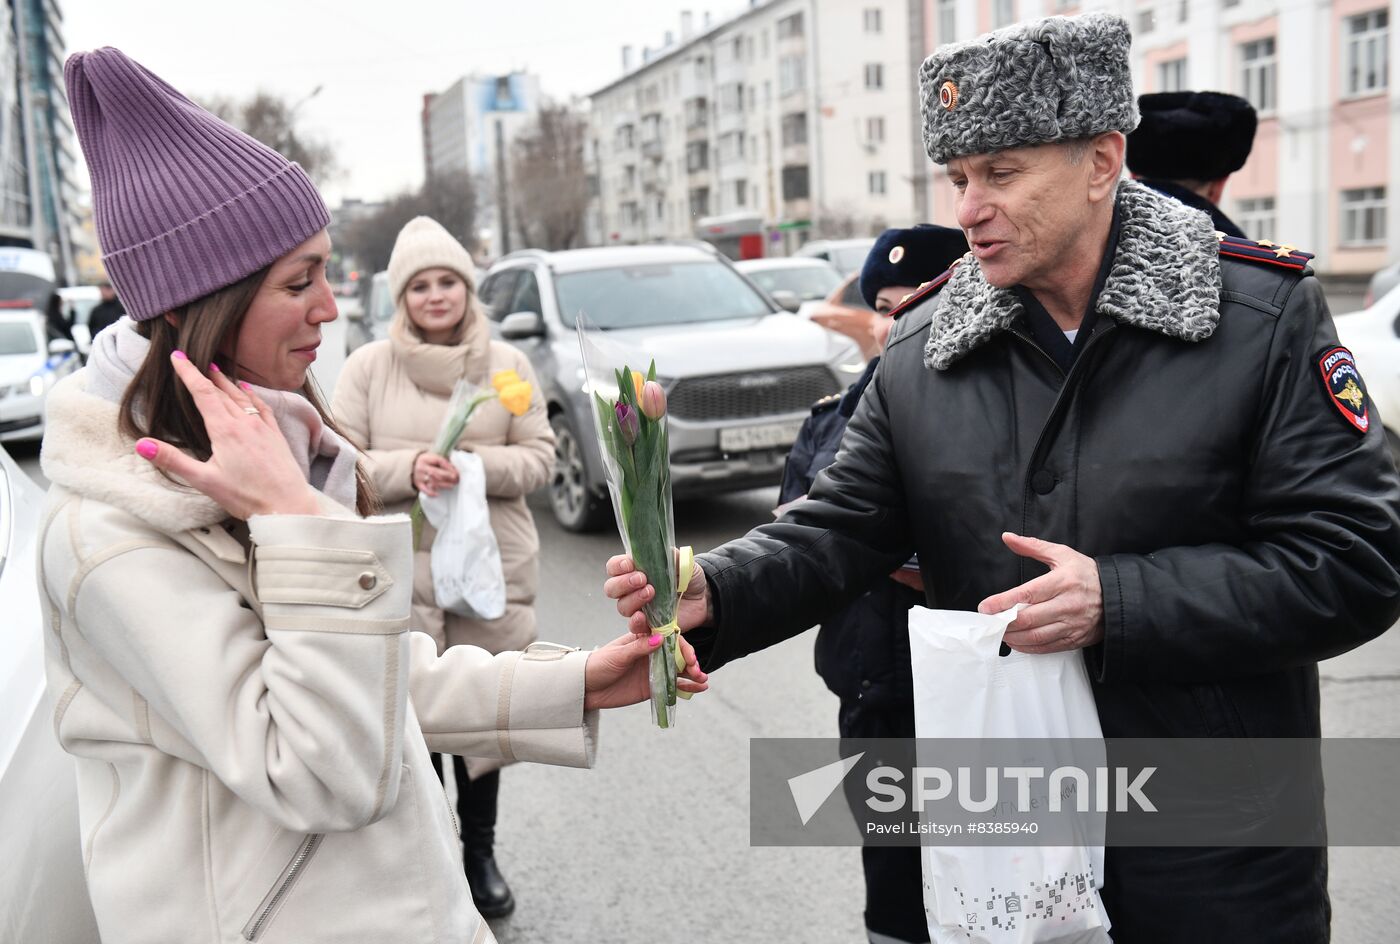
<point x="375" y="60"/>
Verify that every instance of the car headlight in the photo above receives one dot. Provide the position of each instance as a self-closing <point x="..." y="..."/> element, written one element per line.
<point x="39" y="384"/>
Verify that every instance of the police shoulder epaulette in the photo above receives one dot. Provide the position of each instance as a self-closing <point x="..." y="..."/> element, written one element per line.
<point x="1269" y="253"/>
<point x="922" y="292"/>
<point x="826" y="403"/>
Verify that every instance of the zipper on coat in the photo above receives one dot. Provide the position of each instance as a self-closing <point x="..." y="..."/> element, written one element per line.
<point x="282" y="887"/>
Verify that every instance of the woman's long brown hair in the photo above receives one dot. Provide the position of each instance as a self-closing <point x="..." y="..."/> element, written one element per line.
<point x="156" y="403"/>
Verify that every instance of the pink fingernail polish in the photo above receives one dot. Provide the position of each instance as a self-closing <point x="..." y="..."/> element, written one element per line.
<point x="181" y="355"/>
<point x="214" y="368"/>
<point x="146" y="449"/>
<point x="244" y="385"/>
<point x="655" y="640"/>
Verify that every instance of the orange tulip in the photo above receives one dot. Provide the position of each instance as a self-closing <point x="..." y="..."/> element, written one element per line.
<point x="504" y="378"/>
<point x="515" y="397"/>
<point x="638" y="382"/>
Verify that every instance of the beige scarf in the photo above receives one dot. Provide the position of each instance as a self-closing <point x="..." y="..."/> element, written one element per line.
<point x="436" y="368"/>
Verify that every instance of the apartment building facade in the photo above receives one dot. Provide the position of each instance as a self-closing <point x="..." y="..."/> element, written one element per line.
<point x="791" y="118"/>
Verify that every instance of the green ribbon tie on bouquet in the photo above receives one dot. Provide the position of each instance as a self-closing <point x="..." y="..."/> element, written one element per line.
<point x="685" y="563"/>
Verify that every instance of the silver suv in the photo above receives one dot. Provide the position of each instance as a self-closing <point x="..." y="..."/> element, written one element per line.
<point x="740" y="372"/>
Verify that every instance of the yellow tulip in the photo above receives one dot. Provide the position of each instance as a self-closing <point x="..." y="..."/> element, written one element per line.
<point x="638" y="381"/>
<point x="504" y="378"/>
<point x="515" y="397"/>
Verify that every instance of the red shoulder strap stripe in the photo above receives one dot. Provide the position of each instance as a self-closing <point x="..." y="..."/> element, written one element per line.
<point x="1287" y="263"/>
<point x="921" y="293"/>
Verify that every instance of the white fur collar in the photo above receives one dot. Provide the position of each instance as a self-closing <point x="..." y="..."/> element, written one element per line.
<point x="1165" y="277"/>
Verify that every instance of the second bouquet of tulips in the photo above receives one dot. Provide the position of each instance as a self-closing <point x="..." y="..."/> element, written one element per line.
<point x="631" y="426"/>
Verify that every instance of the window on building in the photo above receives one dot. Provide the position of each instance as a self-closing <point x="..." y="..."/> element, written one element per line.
<point x="1003" y="13"/>
<point x="1171" y="75"/>
<point x="697" y="156"/>
<point x="872" y="20"/>
<point x="697" y="112"/>
<point x="1256" y="217"/>
<point x="700" y="201"/>
<point x="702" y="68"/>
<point x="1365" y="56"/>
<point x="1227" y="4"/>
<point x="876" y="181"/>
<point x="792" y="74"/>
<point x="947" y="20"/>
<point x="736" y="49"/>
<point x="795" y="128"/>
<point x="1363" y="216"/>
<point x="796" y="184"/>
<point x="1259" y="74"/>
<point x="731" y="146"/>
<point x="753" y="92"/>
<point x="741" y="193"/>
<point x="790" y="26"/>
<point x="731" y="96"/>
<point x="1146" y="20"/>
<point x="1183" y="10"/>
<point x="874" y="76"/>
<point x="764" y="43"/>
<point x="874" y="130"/>
<point x="624" y="139"/>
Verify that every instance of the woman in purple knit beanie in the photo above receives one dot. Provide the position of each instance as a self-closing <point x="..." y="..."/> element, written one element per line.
<point x="226" y="621"/>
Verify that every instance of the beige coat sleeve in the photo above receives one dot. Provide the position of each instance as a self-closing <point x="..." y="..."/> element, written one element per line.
<point x="299" y="713"/>
<point x="390" y="469"/>
<point x="514" y="706"/>
<point x="526" y="460"/>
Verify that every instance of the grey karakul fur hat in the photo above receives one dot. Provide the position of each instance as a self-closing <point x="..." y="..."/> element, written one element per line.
<point x="1055" y="79"/>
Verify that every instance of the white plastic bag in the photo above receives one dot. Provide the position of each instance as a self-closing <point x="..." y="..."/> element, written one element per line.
<point x="466" y="561"/>
<point x="964" y="689"/>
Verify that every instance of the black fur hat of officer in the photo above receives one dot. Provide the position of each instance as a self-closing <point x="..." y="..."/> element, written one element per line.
<point x="1191" y="135"/>
<point x="910" y="257"/>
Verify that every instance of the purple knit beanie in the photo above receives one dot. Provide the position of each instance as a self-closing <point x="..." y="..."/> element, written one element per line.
<point x="184" y="203"/>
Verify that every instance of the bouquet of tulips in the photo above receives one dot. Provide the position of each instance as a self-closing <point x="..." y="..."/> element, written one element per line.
<point x="631" y="423"/>
<point x="506" y="386"/>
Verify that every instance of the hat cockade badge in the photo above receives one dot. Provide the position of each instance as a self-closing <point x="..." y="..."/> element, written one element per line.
<point x="896" y="254"/>
<point x="948" y="95"/>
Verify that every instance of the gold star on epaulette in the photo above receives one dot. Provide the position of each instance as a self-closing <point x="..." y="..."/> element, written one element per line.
<point x="1284" y="250"/>
<point x="1265" y="243"/>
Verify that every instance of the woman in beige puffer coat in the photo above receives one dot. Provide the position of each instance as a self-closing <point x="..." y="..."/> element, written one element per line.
<point x="391" y="398"/>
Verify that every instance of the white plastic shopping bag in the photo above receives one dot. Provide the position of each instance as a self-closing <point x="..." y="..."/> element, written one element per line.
<point x="466" y="561"/>
<point x="989" y="894"/>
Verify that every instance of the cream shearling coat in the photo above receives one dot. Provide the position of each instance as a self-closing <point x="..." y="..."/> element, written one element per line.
<point x="391" y="398"/>
<point x="251" y="719"/>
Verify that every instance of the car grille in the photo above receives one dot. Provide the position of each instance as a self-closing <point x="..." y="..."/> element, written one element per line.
<point x="752" y="394"/>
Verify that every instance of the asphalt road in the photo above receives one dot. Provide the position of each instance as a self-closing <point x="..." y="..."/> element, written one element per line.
<point x="651" y="846"/>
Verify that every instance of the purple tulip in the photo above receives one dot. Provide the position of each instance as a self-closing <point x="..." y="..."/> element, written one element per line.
<point x="628" y="423"/>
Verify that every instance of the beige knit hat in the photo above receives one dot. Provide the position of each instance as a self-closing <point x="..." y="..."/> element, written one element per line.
<point x="423" y="243"/>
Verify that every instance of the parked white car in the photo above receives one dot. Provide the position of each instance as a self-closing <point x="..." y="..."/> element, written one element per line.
<point x="806" y="281"/>
<point x="1373" y="335"/>
<point x="43" y="896"/>
<point x="29" y="367"/>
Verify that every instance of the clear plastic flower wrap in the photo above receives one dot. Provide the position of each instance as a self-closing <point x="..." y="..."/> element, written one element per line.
<point x="629" y="414"/>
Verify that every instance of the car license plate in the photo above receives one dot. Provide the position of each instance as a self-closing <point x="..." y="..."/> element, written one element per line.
<point x="749" y="438"/>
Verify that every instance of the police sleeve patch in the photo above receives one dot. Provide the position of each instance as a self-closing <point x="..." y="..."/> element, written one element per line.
<point x="1344" y="386"/>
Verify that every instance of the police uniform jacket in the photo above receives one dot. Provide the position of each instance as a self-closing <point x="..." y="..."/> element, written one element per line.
<point x="862" y="651"/>
<point x="1202" y="447"/>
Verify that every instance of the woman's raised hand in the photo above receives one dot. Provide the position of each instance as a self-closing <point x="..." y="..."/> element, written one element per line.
<point x="251" y="470"/>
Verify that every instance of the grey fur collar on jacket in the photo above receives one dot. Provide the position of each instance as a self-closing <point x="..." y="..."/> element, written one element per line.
<point x="1165" y="277"/>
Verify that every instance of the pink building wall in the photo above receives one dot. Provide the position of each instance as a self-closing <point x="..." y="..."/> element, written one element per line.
<point x="1259" y="176"/>
<point x="1359" y="132"/>
<point x="1156" y="57"/>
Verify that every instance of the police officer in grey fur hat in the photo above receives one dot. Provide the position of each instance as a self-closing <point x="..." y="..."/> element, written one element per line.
<point x="1189" y="143"/>
<point x="1146" y="433"/>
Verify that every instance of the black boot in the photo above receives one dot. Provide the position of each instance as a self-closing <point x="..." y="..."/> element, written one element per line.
<point x="476" y="806"/>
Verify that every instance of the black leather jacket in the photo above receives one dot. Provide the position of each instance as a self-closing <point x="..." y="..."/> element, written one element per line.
<point x="1243" y="529"/>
